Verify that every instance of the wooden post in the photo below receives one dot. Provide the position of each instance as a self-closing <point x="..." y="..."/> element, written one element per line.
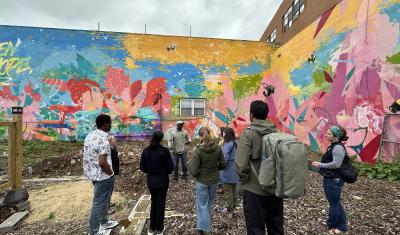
<point x="11" y="153"/>
<point x="17" y="117"/>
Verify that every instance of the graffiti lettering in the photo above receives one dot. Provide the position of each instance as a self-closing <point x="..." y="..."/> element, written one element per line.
<point x="8" y="62"/>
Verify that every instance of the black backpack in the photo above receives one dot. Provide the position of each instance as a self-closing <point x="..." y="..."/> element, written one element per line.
<point x="347" y="171"/>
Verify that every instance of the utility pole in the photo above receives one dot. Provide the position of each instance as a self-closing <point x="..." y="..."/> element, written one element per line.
<point x="98" y="26"/>
<point x="144" y="28"/>
<point x="190" y="31"/>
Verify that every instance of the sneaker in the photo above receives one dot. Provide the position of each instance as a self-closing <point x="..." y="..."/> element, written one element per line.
<point x="109" y="225"/>
<point x="103" y="232"/>
<point x="336" y="231"/>
<point x="150" y="232"/>
<point x="160" y="232"/>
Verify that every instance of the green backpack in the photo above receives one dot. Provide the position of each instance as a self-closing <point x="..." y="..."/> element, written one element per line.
<point x="284" y="167"/>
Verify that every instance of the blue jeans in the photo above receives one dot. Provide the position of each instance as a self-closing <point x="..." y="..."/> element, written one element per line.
<point x="183" y="158"/>
<point x="336" y="217"/>
<point x="205" y="197"/>
<point x="101" y="197"/>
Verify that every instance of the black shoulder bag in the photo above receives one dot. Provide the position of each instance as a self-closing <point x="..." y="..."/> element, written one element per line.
<point x="347" y="171"/>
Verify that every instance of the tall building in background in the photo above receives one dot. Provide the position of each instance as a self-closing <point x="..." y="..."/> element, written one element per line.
<point x="292" y="17"/>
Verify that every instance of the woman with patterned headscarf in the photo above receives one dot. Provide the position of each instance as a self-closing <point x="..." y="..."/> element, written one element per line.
<point x="333" y="182"/>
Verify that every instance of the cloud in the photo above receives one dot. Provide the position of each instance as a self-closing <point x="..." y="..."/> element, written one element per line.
<point x="236" y="19"/>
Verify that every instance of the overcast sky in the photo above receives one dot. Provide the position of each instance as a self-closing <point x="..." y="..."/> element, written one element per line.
<point x="236" y="19"/>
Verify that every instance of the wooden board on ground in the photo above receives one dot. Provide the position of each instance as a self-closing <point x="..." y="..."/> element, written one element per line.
<point x="139" y="214"/>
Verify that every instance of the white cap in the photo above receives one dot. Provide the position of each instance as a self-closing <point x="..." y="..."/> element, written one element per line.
<point x="180" y="122"/>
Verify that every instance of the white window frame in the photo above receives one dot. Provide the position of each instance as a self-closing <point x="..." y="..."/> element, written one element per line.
<point x="272" y="37"/>
<point x="287" y="19"/>
<point x="298" y="10"/>
<point x="194" y="101"/>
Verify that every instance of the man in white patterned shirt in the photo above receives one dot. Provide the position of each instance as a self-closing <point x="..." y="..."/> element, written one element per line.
<point x="97" y="168"/>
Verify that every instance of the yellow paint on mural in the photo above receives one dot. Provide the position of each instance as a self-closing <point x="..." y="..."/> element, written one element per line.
<point x="294" y="90"/>
<point x="294" y="53"/>
<point x="197" y="51"/>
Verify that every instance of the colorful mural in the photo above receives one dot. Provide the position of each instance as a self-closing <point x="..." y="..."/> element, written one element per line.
<point x="65" y="78"/>
<point x="342" y="69"/>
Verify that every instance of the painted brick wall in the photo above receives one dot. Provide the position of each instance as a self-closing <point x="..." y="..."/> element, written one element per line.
<point x="65" y="78"/>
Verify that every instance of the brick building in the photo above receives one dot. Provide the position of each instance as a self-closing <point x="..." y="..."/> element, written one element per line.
<point x="292" y="17"/>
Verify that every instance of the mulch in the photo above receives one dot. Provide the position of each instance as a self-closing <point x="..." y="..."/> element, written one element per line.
<point x="5" y="212"/>
<point x="372" y="206"/>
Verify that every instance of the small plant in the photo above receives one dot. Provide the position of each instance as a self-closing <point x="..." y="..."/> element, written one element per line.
<point x="381" y="170"/>
<point x="119" y="206"/>
<point x="51" y="216"/>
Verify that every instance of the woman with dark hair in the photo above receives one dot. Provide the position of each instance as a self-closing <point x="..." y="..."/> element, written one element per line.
<point x="333" y="182"/>
<point x="157" y="163"/>
<point x="229" y="176"/>
<point x="207" y="160"/>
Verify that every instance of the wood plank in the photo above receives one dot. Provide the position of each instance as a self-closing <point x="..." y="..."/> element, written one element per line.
<point x="9" y="224"/>
<point x="141" y="225"/>
<point x="11" y="154"/>
<point x="134" y="221"/>
<point x="18" y="145"/>
<point x="168" y="214"/>
<point x="139" y="215"/>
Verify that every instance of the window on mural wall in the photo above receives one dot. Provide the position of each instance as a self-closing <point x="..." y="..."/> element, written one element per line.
<point x="298" y="8"/>
<point x="192" y="107"/>
<point x="272" y="37"/>
<point x="287" y="19"/>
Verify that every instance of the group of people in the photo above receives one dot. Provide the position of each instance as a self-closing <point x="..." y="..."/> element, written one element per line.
<point x="212" y="163"/>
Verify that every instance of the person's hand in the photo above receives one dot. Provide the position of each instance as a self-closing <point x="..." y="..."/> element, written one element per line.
<point x="316" y="164"/>
<point x="112" y="140"/>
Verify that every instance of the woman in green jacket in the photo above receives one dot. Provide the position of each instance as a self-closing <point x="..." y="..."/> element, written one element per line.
<point x="207" y="161"/>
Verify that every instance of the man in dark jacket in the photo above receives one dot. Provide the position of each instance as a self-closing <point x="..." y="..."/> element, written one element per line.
<point x="260" y="208"/>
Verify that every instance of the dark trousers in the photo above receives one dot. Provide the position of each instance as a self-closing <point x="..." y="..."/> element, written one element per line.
<point x="337" y="216"/>
<point x="260" y="211"/>
<point x="157" y="210"/>
<point x="183" y="157"/>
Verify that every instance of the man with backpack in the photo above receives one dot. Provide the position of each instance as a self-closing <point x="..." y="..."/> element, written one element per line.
<point x="260" y="207"/>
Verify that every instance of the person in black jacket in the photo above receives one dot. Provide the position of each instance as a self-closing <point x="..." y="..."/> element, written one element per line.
<point x="115" y="168"/>
<point x="157" y="163"/>
<point x="333" y="182"/>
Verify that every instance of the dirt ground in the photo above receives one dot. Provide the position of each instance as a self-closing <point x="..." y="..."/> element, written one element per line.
<point x="64" y="202"/>
<point x="372" y="206"/>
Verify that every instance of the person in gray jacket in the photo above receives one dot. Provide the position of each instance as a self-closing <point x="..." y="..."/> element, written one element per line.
<point x="260" y="208"/>
<point x="177" y="142"/>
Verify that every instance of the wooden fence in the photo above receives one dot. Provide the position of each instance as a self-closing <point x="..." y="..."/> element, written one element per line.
<point x="14" y="169"/>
